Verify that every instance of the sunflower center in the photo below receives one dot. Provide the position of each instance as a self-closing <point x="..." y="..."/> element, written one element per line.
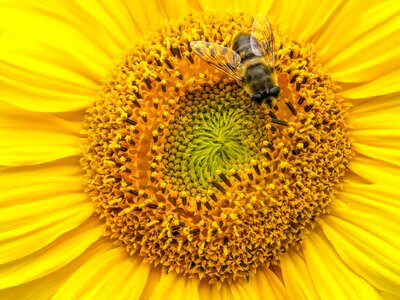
<point x="191" y="174"/>
<point x="211" y="134"/>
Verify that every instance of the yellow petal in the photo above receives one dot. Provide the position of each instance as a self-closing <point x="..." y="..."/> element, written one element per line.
<point x="12" y="118"/>
<point x="297" y="279"/>
<point x="174" y="9"/>
<point x="29" y="138"/>
<point x="25" y="148"/>
<point x="207" y="291"/>
<point x="192" y="290"/>
<point x="293" y="18"/>
<point x="321" y="13"/>
<point x="382" y="153"/>
<point x="376" y="105"/>
<point x="367" y="68"/>
<point x="174" y="287"/>
<point x="380" y="230"/>
<point x="65" y="25"/>
<point x="332" y="279"/>
<point x="144" y="15"/>
<point x="387" y="84"/>
<point x="387" y="296"/>
<point x="377" y="134"/>
<point x="269" y="286"/>
<point x="367" y="244"/>
<point x="379" y="138"/>
<point x="54" y="58"/>
<point x="377" y="120"/>
<point x="126" y="20"/>
<point x="226" y="292"/>
<point x="107" y="273"/>
<point x="263" y="285"/>
<point x="111" y="21"/>
<point x="39" y="181"/>
<point x="30" y="227"/>
<point x="244" y="291"/>
<point x="38" y="205"/>
<point x="45" y="287"/>
<point x="339" y="27"/>
<point x="53" y="257"/>
<point x="370" y="50"/>
<point x="40" y="82"/>
<point x="251" y="7"/>
<point x="373" y="198"/>
<point x="125" y="280"/>
<point x="375" y="171"/>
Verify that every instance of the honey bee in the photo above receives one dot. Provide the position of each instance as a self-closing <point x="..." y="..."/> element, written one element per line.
<point x="250" y="60"/>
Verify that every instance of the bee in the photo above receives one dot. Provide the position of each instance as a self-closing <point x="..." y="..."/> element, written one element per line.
<point x="250" y="60"/>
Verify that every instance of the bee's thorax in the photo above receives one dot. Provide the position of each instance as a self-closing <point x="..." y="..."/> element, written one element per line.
<point x="258" y="76"/>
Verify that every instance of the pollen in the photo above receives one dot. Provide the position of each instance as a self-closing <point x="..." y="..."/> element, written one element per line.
<point x="186" y="171"/>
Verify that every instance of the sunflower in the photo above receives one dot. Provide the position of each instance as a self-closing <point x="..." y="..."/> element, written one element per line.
<point x="132" y="169"/>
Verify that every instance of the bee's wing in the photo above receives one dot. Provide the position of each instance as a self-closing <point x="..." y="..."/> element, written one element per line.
<point x="222" y="58"/>
<point x="262" y="39"/>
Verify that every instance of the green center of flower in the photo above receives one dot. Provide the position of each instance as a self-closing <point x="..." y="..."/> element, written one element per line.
<point x="191" y="174"/>
<point x="211" y="134"/>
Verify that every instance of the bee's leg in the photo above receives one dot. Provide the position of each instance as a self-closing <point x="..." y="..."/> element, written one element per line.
<point x="271" y="101"/>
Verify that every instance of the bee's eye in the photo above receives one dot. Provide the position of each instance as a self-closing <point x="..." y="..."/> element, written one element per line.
<point x="274" y="91"/>
<point x="256" y="97"/>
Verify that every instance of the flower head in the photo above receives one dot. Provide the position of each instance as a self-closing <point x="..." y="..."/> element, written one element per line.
<point x="184" y="168"/>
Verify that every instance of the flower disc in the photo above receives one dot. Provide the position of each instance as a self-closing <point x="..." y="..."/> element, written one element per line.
<point x="188" y="172"/>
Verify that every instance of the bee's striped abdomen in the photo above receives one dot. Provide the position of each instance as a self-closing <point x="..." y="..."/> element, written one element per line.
<point x="242" y="46"/>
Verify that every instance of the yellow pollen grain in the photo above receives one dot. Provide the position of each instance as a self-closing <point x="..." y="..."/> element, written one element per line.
<point x="190" y="174"/>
